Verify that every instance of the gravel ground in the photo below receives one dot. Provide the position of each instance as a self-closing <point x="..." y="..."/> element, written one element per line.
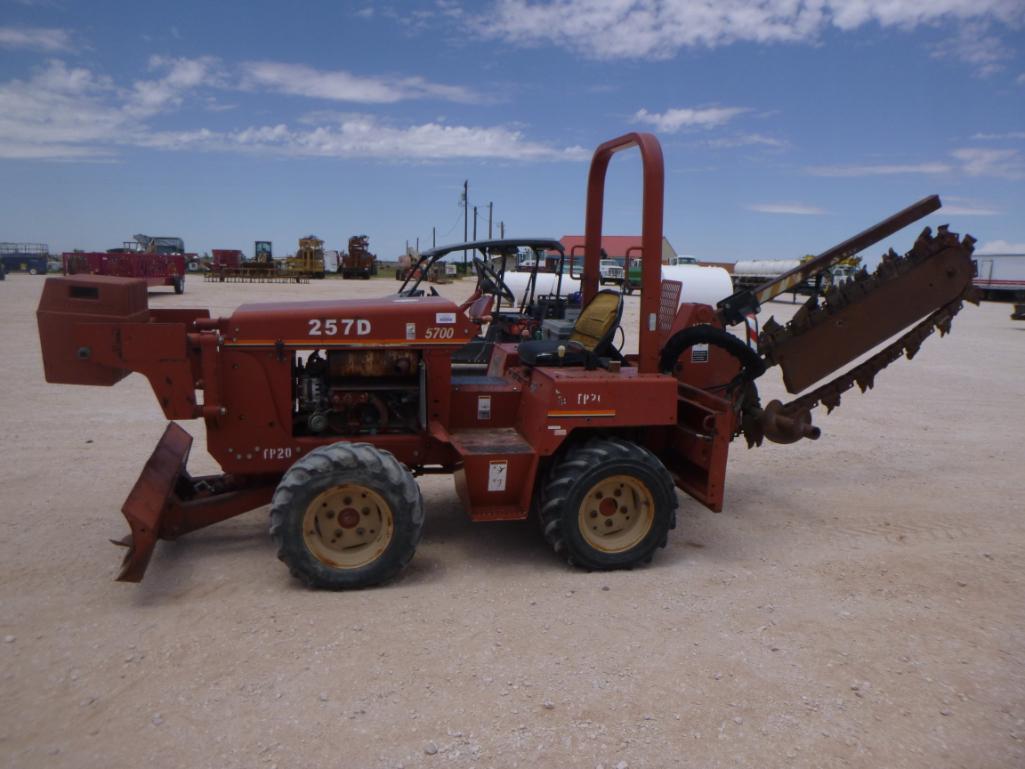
<point x="858" y="603"/>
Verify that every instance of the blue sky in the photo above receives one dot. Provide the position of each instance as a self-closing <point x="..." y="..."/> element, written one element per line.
<point x="786" y="125"/>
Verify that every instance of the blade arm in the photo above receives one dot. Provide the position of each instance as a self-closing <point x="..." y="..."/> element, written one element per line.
<point x="733" y="308"/>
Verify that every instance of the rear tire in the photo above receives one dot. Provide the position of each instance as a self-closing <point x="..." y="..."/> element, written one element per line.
<point x="608" y="504"/>
<point x="179" y="285"/>
<point x="348" y="515"/>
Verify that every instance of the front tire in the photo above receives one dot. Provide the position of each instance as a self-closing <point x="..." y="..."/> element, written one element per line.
<point x="348" y="515"/>
<point x="608" y="504"/>
<point x="179" y="285"/>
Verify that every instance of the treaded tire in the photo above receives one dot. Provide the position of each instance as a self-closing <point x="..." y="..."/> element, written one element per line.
<point x="337" y="465"/>
<point x="179" y="284"/>
<point x="577" y="473"/>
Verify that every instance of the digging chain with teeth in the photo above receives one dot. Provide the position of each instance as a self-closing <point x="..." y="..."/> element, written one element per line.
<point x="863" y="375"/>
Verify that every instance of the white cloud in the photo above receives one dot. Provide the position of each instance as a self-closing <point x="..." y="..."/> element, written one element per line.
<point x="880" y="169"/>
<point x="363" y="136"/>
<point x="213" y="105"/>
<point x="650" y="29"/>
<point x="747" y="140"/>
<point x="339" y="85"/>
<point x="673" y="120"/>
<point x="958" y="206"/>
<point x="1001" y="163"/>
<point x="39" y="38"/>
<point x="70" y="113"/>
<point x="182" y="75"/>
<point x="1008" y="135"/>
<point x="972" y="161"/>
<point x="976" y="46"/>
<point x="797" y="209"/>
<point x="964" y="210"/>
<point x="59" y="112"/>
<point x="1001" y="247"/>
<point x="64" y="112"/>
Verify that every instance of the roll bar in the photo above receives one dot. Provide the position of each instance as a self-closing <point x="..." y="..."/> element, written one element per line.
<point x="651" y="234"/>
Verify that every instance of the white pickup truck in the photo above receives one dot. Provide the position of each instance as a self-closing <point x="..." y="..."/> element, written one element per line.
<point x="611" y="271"/>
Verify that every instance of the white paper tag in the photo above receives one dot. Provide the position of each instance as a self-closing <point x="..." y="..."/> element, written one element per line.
<point x="497" y="474"/>
<point x="483" y="407"/>
<point x="410" y="331"/>
<point x="699" y="353"/>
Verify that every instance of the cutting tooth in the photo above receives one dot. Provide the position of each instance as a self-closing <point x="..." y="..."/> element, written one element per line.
<point x="865" y="380"/>
<point x="923" y="242"/>
<point x="831" y="401"/>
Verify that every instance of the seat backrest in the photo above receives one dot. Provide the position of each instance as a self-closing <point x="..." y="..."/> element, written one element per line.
<point x="598" y="321"/>
<point x="480" y="308"/>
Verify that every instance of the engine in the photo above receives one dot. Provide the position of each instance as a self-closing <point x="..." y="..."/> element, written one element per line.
<point x="357" y="392"/>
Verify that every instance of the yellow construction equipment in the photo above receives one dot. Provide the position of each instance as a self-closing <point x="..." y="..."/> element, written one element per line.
<point x="308" y="260"/>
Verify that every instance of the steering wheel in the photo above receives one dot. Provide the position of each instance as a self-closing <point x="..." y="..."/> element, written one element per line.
<point x="491" y="282"/>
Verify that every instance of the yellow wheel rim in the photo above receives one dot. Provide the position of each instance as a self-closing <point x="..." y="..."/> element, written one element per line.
<point x="348" y="526"/>
<point x="616" y="514"/>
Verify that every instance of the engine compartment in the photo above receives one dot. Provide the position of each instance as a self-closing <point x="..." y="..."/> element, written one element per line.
<point x="356" y="392"/>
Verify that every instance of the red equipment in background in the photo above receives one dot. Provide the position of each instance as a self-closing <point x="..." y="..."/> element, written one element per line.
<point x="155" y="269"/>
<point x="228" y="258"/>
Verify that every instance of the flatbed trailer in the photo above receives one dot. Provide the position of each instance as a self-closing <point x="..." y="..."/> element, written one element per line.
<point x="155" y="269"/>
<point x="28" y="258"/>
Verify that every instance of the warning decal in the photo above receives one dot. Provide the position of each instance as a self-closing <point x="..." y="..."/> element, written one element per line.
<point x="497" y="474"/>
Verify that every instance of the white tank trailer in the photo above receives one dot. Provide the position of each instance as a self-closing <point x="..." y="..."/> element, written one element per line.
<point x="701" y="285"/>
<point x="750" y="273"/>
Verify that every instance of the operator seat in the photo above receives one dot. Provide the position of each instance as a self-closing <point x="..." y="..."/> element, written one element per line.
<point x="591" y="337"/>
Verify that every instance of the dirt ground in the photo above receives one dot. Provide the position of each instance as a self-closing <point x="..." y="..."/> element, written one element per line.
<point x="859" y="603"/>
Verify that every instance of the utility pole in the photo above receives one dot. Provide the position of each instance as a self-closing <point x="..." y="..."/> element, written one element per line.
<point x="466" y="198"/>
<point x="434" y="237"/>
<point x="501" y="228"/>
<point x="418" y="245"/>
<point x="490" y="210"/>
<point x="475" y="222"/>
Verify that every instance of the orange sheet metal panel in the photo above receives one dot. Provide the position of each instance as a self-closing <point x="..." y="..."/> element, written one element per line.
<point x="561" y="400"/>
<point x="68" y="302"/>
